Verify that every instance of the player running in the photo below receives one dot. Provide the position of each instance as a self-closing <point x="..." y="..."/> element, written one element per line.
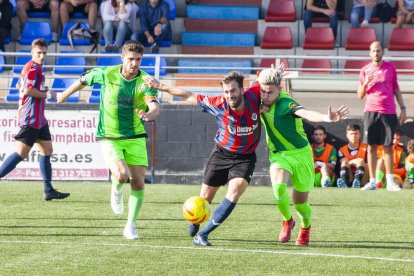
<point x="124" y="102"/>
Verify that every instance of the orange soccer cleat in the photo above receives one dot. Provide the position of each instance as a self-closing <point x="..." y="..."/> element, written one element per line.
<point x="303" y="237"/>
<point x="286" y="230"/>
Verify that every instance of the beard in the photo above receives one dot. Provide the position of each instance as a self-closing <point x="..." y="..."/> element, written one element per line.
<point x="235" y="104"/>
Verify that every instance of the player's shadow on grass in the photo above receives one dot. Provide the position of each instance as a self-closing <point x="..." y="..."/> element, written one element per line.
<point x="363" y="245"/>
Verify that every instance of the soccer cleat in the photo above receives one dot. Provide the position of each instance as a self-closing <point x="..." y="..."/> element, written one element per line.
<point x="341" y="183"/>
<point x="201" y="240"/>
<point x="326" y="184"/>
<point x="392" y="187"/>
<point x="303" y="237"/>
<point x="130" y="232"/>
<point x="193" y="229"/>
<point x="356" y="184"/>
<point x="55" y="194"/>
<point x="117" y="201"/>
<point x="287" y="226"/>
<point x="369" y="187"/>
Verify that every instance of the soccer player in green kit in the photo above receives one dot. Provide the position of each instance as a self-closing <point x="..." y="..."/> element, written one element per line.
<point x="290" y="154"/>
<point x="125" y="102"/>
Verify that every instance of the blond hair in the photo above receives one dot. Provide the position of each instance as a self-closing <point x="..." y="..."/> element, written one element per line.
<point x="270" y="76"/>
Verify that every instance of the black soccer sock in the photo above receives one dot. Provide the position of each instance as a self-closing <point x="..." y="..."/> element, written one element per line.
<point x="344" y="174"/>
<point x="359" y="173"/>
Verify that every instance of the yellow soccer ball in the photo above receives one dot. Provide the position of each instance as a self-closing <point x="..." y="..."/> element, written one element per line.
<point x="196" y="210"/>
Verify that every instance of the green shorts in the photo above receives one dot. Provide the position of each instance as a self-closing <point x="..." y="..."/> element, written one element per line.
<point x="133" y="151"/>
<point x="299" y="163"/>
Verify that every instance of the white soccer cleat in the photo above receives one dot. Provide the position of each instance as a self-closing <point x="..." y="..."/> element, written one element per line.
<point x="117" y="201"/>
<point x="369" y="187"/>
<point x="130" y="232"/>
<point x="392" y="187"/>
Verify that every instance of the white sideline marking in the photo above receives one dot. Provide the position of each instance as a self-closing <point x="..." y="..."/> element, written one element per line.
<point x="224" y="249"/>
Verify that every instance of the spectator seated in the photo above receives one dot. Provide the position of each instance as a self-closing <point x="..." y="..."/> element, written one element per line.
<point x="277" y="38"/>
<point x="59" y="85"/>
<point x="67" y="63"/>
<point x="223" y="12"/>
<point x="202" y="64"/>
<point x="33" y="30"/>
<point x="281" y="11"/>
<point x="319" y="38"/>
<point x="13" y="95"/>
<point x="218" y="39"/>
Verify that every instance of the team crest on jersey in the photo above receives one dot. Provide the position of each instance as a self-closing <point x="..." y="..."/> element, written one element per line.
<point x="293" y="105"/>
<point x="254" y="116"/>
<point x="231" y="130"/>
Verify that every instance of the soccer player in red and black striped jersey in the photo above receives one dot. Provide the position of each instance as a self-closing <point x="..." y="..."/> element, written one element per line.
<point x="32" y="122"/>
<point x="233" y="158"/>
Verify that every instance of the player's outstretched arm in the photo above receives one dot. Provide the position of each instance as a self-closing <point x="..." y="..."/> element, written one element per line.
<point x="76" y="86"/>
<point x="314" y="116"/>
<point x="152" y="82"/>
<point x="152" y="114"/>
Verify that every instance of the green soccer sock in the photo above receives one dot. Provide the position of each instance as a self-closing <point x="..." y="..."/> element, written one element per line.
<point x="379" y="175"/>
<point x="305" y="213"/>
<point x="118" y="186"/>
<point x="134" y="205"/>
<point x="282" y="200"/>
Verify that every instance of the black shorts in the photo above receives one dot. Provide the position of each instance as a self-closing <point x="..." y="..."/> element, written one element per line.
<point x="223" y="166"/>
<point x="30" y="136"/>
<point x="44" y="8"/>
<point x="379" y="128"/>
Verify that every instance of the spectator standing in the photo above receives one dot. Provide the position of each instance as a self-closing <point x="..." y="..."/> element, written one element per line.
<point x="321" y="8"/>
<point x="352" y="158"/>
<point x="34" y="128"/>
<point x="52" y="6"/>
<point x="118" y="18"/>
<point x="6" y="13"/>
<point x="89" y="7"/>
<point x="378" y="84"/>
<point x="405" y="12"/>
<point x="155" y="24"/>
<point x="324" y="156"/>
<point x="362" y="8"/>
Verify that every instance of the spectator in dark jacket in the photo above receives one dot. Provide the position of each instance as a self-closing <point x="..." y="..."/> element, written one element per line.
<point x="321" y="8"/>
<point x="155" y="24"/>
<point x="6" y="13"/>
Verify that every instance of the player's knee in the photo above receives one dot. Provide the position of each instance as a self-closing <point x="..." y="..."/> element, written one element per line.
<point x="279" y="191"/>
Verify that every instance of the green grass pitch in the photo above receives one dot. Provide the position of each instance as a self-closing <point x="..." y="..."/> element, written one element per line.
<point x="353" y="232"/>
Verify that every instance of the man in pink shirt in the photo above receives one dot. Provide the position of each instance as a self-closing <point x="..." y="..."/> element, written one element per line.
<point x="378" y="84"/>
